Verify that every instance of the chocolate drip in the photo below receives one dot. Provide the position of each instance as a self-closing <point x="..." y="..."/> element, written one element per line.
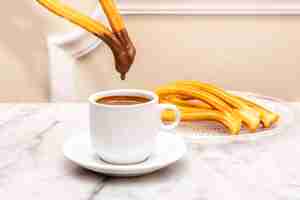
<point x="126" y="55"/>
<point x="123" y="50"/>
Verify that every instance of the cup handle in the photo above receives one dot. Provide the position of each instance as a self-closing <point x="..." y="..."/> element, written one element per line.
<point x="173" y="125"/>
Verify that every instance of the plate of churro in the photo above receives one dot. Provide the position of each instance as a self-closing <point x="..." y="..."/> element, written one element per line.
<point x="210" y="112"/>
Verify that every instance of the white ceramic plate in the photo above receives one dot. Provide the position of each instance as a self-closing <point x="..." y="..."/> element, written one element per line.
<point x="211" y="132"/>
<point x="169" y="149"/>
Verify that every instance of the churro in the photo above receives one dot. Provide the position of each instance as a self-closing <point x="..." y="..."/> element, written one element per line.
<point x="206" y="97"/>
<point x="233" y="124"/>
<point x="184" y="101"/>
<point x="119" y="41"/>
<point x="268" y="118"/>
<point x="200" y="101"/>
<point x="248" y="115"/>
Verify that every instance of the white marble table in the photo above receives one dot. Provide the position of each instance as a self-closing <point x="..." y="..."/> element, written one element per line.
<point x="32" y="165"/>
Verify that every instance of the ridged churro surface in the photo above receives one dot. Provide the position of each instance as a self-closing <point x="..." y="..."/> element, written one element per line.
<point x="205" y="102"/>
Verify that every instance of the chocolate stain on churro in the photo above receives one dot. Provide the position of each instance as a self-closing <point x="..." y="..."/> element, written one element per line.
<point x="123" y="51"/>
<point x="125" y="56"/>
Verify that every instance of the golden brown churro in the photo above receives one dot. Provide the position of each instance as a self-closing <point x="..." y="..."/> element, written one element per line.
<point x="184" y="108"/>
<point x="268" y="117"/>
<point x="76" y="17"/>
<point x="179" y="100"/>
<point x="206" y="97"/>
<point x="115" y="20"/>
<point x="118" y="26"/>
<point x="226" y="115"/>
<point x="119" y="42"/>
<point x="248" y="115"/>
<point x="232" y="124"/>
<point x="214" y="104"/>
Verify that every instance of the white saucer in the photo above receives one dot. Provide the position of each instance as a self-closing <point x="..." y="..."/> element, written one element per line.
<point x="169" y="149"/>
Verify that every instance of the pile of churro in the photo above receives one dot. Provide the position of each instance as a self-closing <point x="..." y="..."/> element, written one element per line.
<point x="199" y="101"/>
<point x="117" y="38"/>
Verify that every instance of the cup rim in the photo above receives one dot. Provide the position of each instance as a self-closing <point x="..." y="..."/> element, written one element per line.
<point x="146" y="93"/>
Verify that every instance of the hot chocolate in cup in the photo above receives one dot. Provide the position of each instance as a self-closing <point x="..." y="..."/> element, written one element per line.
<point x="124" y="124"/>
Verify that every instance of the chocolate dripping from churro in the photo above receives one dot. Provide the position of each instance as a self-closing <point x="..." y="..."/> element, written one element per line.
<point x="123" y="50"/>
<point x="118" y="40"/>
<point x="124" y="54"/>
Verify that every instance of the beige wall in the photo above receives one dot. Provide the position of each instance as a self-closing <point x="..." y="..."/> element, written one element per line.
<point x="260" y="54"/>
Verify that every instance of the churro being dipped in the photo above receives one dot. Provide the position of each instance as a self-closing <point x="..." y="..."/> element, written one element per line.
<point x="118" y="41"/>
<point x="119" y="30"/>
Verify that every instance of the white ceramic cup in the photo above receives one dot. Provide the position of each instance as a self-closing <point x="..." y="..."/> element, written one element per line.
<point x="125" y="134"/>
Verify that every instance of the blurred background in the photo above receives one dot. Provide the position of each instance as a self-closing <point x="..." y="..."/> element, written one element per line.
<point x="249" y="53"/>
